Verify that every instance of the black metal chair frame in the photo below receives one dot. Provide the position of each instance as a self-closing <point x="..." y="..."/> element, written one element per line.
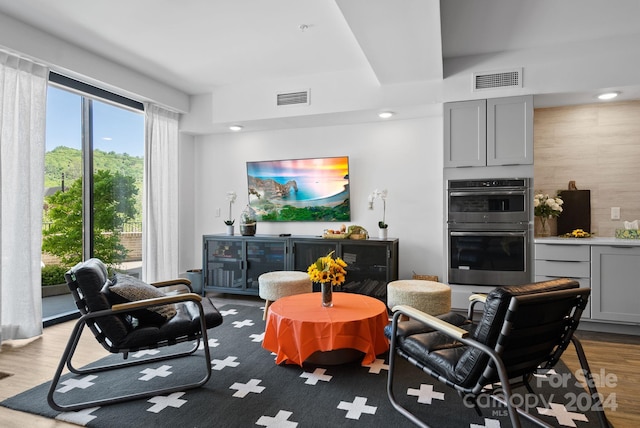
<point x="89" y="318"/>
<point x="495" y="354"/>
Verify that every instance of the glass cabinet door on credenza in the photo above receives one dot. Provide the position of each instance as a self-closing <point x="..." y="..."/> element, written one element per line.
<point x="232" y="264"/>
<point x="263" y="256"/>
<point x="223" y="264"/>
<point x="370" y="266"/>
<point x="305" y="252"/>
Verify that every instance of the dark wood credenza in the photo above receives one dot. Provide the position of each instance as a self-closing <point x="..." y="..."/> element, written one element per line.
<point x="233" y="263"/>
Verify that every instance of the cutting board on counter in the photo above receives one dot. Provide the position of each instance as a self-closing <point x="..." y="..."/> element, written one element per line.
<point x="576" y="211"/>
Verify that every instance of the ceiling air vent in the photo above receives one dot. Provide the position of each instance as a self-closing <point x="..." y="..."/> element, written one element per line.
<point x="293" y="98"/>
<point x="497" y="79"/>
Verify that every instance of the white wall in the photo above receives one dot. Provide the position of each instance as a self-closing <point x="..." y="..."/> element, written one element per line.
<point x="404" y="156"/>
<point x="75" y="62"/>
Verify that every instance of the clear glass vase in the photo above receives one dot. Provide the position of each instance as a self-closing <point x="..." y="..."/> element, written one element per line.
<point x="248" y="224"/>
<point x="541" y="227"/>
<point x="326" y="289"/>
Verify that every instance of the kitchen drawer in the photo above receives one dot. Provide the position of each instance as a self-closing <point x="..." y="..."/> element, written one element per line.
<point x="564" y="269"/>
<point x="578" y="253"/>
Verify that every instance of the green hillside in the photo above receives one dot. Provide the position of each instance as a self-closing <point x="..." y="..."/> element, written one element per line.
<point x="68" y="161"/>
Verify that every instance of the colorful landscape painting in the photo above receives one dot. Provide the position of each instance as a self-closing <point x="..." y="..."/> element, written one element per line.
<point x="313" y="189"/>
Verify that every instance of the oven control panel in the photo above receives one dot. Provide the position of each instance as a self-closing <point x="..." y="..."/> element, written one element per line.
<point x="489" y="183"/>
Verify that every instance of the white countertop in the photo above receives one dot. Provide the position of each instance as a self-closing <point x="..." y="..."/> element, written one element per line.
<point x="588" y="241"/>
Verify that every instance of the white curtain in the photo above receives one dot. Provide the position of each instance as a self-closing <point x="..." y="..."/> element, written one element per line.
<point x="160" y="247"/>
<point x="23" y="94"/>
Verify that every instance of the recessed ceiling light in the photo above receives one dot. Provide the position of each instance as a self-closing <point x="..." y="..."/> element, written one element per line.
<point x="608" y="95"/>
<point x="385" y="114"/>
<point x="236" y="128"/>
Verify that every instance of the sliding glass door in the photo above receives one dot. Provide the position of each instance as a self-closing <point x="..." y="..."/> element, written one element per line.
<point x="93" y="189"/>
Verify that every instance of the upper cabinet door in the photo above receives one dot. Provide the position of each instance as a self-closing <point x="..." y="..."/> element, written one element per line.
<point x="465" y="136"/>
<point x="510" y="131"/>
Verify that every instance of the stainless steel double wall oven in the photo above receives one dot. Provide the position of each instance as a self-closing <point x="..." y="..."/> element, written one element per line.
<point x="489" y="231"/>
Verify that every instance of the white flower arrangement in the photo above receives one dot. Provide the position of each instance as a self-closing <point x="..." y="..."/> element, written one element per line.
<point x="382" y="194"/>
<point x="545" y="206"/>
<point x="231" y="197"/>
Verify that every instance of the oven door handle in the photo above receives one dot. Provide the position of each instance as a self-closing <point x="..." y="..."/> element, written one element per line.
<point x="489" y="193"/>
<point x="519" y="233"/>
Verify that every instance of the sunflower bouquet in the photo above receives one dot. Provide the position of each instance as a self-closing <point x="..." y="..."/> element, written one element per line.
<point x="327" y="270"/>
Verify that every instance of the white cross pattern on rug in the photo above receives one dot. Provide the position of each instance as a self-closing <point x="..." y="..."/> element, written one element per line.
<point x="145" y="352"/>
<point x="81" y="417"/>
<point x="488" y="423"/>
<point x="377" y="366"/>
<point x="230" y="361"/>
<point x="213" y="343"/>
<point x="243" y="389"/>
<point x="313" y="378"/>
<point x="257" y="337"/>
<point x="425" y="394"/>
<point x="162" y="371"/>
<point x="544" y="373"/>
<point x="357" y="408"/>
<point x="161" y="402"/>
<point x="279" y="421"/>
<point x="229" y="312"/>
<point x="562" y="415"/>
<point x="245" y="323"/>
<point x="82" y="383"/>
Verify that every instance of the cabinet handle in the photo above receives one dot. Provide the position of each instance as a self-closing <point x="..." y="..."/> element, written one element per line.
<point x="487" y="193"/>
<point x="506" y="233"/>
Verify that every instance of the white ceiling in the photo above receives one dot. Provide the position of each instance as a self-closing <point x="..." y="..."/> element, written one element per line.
<point x="198" y="45"/>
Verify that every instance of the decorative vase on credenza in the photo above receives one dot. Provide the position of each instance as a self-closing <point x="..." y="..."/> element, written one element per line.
<point x="382" y="232"/>
<point x="248" y="224"/>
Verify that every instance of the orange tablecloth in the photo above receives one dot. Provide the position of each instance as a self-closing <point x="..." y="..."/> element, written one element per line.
<point x="298" y="326"/>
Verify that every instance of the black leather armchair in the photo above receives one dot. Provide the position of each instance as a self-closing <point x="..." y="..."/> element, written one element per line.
<point x="150" y="319"/>
<point x="521" y="328"/>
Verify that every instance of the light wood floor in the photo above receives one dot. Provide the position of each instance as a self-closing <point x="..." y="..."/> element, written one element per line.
<point x="34" y="362"/>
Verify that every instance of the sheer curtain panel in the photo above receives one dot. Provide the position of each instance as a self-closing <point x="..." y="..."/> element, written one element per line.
<point x="160" y="211"/>
<point x="23" y="94"/>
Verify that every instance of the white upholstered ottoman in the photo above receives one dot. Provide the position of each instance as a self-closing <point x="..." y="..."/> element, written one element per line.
<point x="431" y="297"/>
<point x="273" y="285"/>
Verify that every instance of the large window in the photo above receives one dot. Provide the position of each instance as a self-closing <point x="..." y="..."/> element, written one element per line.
<point x="93" y="182"/>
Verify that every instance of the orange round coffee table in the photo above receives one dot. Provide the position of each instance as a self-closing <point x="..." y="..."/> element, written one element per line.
<point x="299" y="326"/>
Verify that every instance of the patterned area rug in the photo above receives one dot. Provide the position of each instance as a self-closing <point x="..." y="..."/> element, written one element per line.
<point x="248" y="389"/>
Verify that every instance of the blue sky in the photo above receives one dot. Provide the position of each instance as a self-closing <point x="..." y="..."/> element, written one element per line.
<point x="114" y="129"/>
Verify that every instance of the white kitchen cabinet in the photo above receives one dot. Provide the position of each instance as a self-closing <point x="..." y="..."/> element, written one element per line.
<point x="564" y="261"/>
<point x="615" y="283"/>
<point x="497" y="131"/>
